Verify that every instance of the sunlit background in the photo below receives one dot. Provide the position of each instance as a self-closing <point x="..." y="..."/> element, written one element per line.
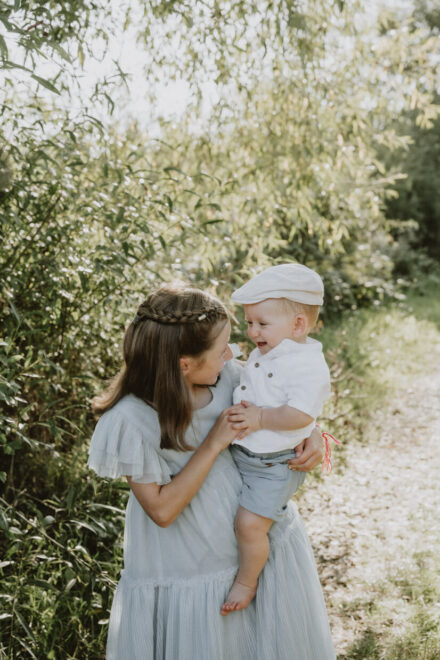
<point x="206" y="140"/>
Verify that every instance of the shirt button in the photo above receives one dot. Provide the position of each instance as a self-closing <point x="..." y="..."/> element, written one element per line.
<point x="243" y="387"/>
<point x="270" y="375"/>
<point x="257" y="364"/>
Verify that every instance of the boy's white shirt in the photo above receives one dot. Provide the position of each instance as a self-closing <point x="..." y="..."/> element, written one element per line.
<point x="293" y="374"/>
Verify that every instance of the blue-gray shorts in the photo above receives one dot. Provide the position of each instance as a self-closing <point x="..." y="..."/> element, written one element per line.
<point x="268" y="484"/>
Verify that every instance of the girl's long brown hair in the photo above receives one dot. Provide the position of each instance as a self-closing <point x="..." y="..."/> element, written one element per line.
<point x="173" y="321"/>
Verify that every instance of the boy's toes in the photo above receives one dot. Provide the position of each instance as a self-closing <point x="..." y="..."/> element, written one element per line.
<point x="238" y="598"/>
<point x="226" y="608"/>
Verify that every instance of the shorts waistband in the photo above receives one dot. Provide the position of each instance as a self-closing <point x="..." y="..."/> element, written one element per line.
<point x="274" y="454"/>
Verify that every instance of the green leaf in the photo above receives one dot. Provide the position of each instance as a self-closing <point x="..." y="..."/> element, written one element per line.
<point x="47" y="520"/>
<point x="170" y="203"/>
<point x="85" y="525"/>
<point x="70" y="584"/>
<point x="13" y="65"/>
<point x="14" y="310"/>
<point x="45" y="83"/>
<point x="110" y="102"/>
<point x="173" y="169"/>
<point x="47" y="586"/>
<point x="64" y="54"/>
<point x="3" y="48"/>
<point x="84" y="280"/>
<point x="97" y="122"/>
<point x="4" y="525"/>
<point x="81" y="55"/>
<point x="8" y="25"/>
<point x="25" y="626"/>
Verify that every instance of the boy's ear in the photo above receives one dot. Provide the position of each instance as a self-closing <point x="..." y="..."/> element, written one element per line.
<point x="300" y="325"/>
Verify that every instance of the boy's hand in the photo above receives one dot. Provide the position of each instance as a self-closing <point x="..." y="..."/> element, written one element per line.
<point x="245" y="417"/>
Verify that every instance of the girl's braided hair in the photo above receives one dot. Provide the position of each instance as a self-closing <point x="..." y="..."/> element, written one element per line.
<point x="174" y="321"/>
<point x="145" y="312"/>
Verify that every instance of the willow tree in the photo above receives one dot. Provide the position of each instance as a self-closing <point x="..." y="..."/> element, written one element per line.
<point x="308" y="98"/>
<point x="281" y="154"/>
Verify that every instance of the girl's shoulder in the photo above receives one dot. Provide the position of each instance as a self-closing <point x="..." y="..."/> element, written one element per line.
<point x="130" y="416"/>
<point x="231" y="372"/>
<point x="133" y="411"/>
<point x="126" y="441"/>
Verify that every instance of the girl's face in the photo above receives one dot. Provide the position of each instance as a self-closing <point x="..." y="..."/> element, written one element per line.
<point x="205" y="369"/>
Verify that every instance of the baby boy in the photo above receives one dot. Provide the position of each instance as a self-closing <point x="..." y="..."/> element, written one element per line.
<point x="282" y="389"/>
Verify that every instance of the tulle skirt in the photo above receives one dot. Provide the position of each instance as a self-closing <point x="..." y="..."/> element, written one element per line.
<point x="180" y="619"/>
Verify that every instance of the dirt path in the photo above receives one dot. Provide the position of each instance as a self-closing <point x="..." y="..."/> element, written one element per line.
<point x="374" y="523"/>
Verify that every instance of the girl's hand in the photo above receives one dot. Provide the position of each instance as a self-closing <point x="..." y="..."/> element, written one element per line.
<point x="222" y="433"/>
<point x="163" y="503"/>
<point x="245" y="417"/>
<point x="309" y="454"/>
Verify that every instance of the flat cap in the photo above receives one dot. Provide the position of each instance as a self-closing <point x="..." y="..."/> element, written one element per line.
<point x="292" y="281"/>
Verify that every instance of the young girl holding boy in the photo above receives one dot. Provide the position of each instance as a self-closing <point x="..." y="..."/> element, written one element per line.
<point x="282" y="390"/>
<point x="165" y="427"/>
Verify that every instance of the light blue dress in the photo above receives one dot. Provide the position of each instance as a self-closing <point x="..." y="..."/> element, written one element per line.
<point x="175" y="579"/>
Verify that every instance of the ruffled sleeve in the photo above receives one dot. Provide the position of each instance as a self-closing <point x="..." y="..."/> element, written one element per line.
<point x="123" y="446"/>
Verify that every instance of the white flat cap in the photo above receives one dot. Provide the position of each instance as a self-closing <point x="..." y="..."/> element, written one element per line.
<point x="291" y="281"/>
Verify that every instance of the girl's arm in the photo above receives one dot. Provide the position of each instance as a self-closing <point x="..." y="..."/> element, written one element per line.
<point x="164" y="503"/>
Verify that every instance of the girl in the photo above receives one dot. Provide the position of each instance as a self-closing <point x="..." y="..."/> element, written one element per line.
<point x="165" y="429"/>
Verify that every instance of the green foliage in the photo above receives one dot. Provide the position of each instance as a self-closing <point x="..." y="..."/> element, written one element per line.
<point x="416" y="204"/>
<point x="303" y="132"/>
<point x="59" y="568"/>
<point x="86" y="231"/>
<point x="44" y="26"/>
<point x="42" y="41"/>
<point x="418" y="199"/>
<point x="232" y="44"/>
<point x="293" y="162"/>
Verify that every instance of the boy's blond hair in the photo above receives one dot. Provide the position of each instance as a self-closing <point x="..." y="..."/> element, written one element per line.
<point x="310" y="311"/>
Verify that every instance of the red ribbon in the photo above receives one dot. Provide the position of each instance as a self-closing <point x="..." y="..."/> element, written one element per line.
<point x="327" y="460"/>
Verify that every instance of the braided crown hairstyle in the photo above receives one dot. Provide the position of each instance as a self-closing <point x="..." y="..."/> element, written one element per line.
<point x="174" y="321"/>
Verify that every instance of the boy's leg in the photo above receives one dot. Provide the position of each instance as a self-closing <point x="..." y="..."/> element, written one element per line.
<point x="253" y="548"/>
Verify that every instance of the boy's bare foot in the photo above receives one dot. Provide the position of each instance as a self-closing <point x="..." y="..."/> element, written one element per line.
<point x="238" y="598"/>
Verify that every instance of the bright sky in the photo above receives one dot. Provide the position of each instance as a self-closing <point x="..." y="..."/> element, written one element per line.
<point x="170" y="97"/>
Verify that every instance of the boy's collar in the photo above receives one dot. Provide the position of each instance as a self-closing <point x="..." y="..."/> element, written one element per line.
<point x="285" y="347"/>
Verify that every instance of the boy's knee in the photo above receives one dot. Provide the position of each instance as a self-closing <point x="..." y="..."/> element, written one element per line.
<point x="248" y="525"/>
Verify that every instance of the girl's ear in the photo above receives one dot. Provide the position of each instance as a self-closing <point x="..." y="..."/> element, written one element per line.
<point x="185" y="362"/>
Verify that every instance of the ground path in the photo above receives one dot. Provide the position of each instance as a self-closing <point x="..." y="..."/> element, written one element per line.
<point x="374" y="526"/>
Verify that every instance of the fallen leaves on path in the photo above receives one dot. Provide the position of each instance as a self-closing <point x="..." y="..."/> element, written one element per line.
<point x="374" y="523"/>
